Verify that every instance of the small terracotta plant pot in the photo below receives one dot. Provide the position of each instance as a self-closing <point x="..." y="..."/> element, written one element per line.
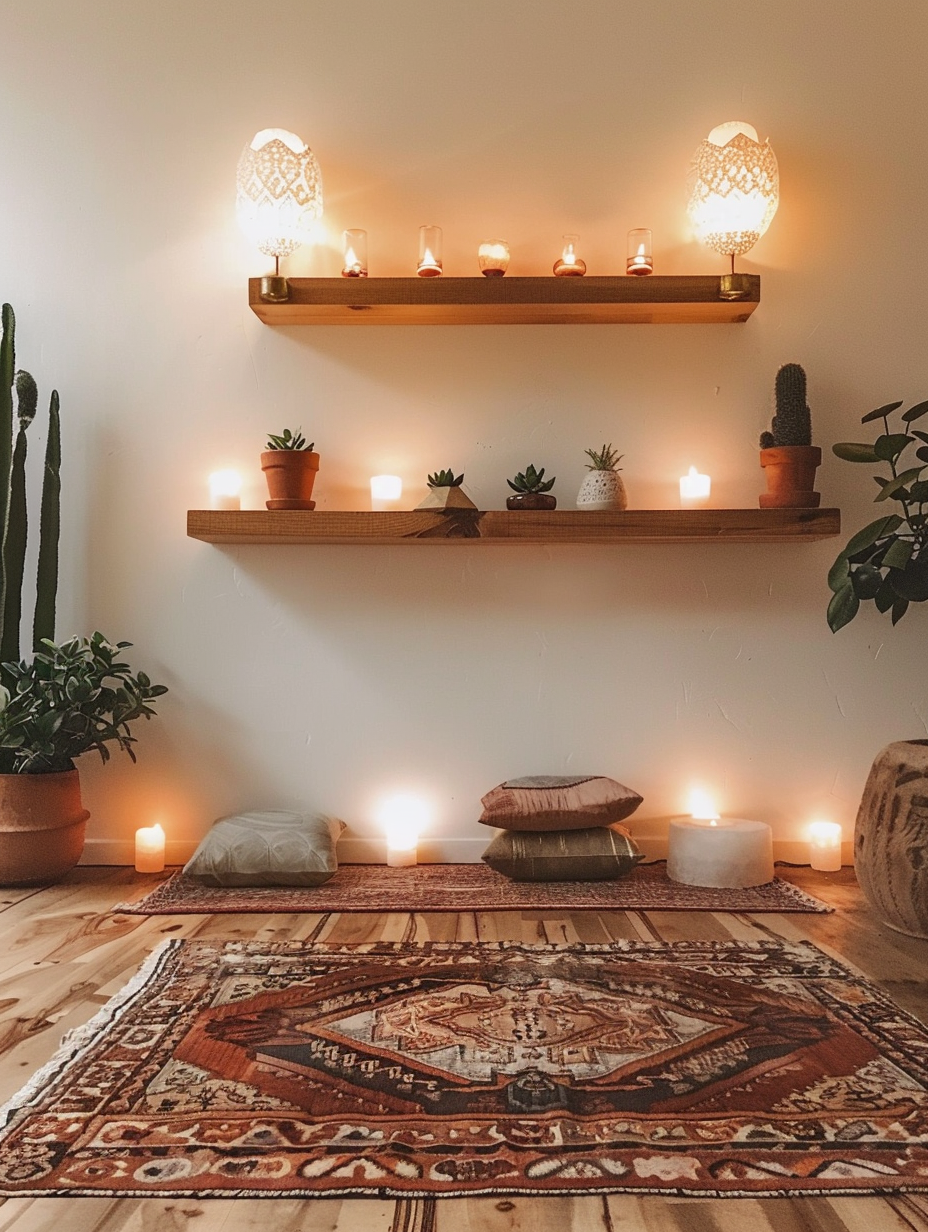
<point x="790" y="472"/>
<point x="531" y="500"/>
<point x="290" y="475"/>
<point x="42" y="823"/>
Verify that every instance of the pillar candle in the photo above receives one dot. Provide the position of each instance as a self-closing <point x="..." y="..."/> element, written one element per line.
<point x="694" y="490"/>
<point x="728" y="853"/>
<point x="386" y="492"/>
<point x="149" y="849"/>
<point x="825" y="846"/>
<point x="225" y="490"/>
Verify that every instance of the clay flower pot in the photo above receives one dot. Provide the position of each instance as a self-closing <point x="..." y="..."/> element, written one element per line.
<point x="531" y="500"/>
<point x="790" y="472"/>
<point x="891" y="837"/>
<point x="42" y="824"/>
<point x="290" y="475"/>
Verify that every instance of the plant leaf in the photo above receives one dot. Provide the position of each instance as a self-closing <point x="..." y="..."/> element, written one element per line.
<point x="885" y="596"/>
<point x="843" y="607"/>
<point x="839" y="573"/>
<point x="899" y="554"/>
<point x="915" y="412"/>
<point x="849" y="451"/>
<point x="881" y="411"/>
<point x="888" y="448"/>
<point x="897" y="484"/>
<point x="866" y="580"/>
<point x="875" y="530"/>
<point x="900" y="607"/>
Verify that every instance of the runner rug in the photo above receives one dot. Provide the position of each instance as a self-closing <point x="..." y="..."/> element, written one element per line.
<point x="468" y="887"/>
<point x="253" y="1069"/>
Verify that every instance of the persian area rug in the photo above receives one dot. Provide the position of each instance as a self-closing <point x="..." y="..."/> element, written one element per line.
<point x="468" y="887"/>
<point x="251" y="1069"/>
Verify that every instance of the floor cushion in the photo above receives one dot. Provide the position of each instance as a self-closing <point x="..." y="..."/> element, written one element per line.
<point x="270" y="848"/>
<point x="602" y="853"/>
<point x="553" y="802"/>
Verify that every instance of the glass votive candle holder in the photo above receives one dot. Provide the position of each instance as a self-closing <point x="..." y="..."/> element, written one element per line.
<point x="225" y="488"/>
<point x="493" y="258"/>
<point x="386" y="492"/>
<point x="568" y="264"/>
<point x="429" y="252"/>
<point x="354" y="246"/>
<point x="640" y="259"/>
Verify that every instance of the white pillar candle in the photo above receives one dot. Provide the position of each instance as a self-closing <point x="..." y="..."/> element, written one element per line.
<point x="386" y="492"/>
<point x="149" y="849"/>
<point x="225" y="489"/>
<point x="825" y="846"/>
<point x="403" y="818"/>
<point x="694" y="490"/>
<point x="728" y="853"/>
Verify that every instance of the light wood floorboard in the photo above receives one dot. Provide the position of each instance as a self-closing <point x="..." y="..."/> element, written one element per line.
<point x="63" y="952"/>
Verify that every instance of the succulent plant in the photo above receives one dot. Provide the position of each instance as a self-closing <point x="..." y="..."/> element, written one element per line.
<point x="289" y="440"/>
<point x="605" y="459"/>
<point x="531" y="481"/>
<point x="445" y="479"/>
<point x="792" y="423"/>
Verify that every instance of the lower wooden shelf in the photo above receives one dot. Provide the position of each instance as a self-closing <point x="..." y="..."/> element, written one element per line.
<point x="504" y="527"/>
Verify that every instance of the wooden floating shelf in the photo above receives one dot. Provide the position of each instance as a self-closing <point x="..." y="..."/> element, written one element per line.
<point x="520" y="527"/>
<point x="672" y="300"/>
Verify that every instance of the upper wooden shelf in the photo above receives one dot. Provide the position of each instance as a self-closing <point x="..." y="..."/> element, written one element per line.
<point x="503" y="526"/>
<point x="674" y="300"/>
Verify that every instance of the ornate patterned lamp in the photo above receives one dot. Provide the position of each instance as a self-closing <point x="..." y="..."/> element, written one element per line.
<point x="735" y="190"/>
<point x="279" y="198"/>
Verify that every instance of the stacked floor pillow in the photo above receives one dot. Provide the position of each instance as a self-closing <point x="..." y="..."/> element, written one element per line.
<point x="556" y="828"/>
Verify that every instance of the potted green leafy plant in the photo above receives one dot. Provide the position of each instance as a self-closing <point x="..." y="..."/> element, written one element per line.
<point x="445" y="492"/>
<point x="787" y="454"/>
<point x="532" y="490"/>
<point x="290" y="467"/>
<point x="886" y="563"/>
<point x="68" y="698"/>
<point x="603" y="487"/>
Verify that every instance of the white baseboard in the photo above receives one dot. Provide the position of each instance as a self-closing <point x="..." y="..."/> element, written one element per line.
<point x="431" y="851"/>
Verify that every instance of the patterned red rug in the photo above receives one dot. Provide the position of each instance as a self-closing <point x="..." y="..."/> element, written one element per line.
<point x="252" y="1069"/>
<point x="467" y="887"/>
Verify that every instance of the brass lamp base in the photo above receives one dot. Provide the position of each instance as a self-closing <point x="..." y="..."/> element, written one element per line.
<point x="275" y="289"/>
<point x="734" y="286"/>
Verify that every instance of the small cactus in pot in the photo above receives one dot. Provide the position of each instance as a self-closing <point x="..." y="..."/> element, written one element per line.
<point x="290" y="466"/>
<point x="445" y="492"/>
<point x="603" y="488"/>
<point x="532" y="490"/>
<point x="787" y="454"/>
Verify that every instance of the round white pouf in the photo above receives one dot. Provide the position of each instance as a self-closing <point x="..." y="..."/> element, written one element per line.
<point x="729" y="854"/>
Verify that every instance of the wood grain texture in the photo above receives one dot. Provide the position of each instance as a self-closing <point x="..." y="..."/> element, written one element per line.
<point x="662" y="300"/>
<point x="501" y="526"/>
<point x="63" y="953"/>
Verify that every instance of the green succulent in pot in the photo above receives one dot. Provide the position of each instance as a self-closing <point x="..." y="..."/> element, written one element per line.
<point x="532" y="490"/>
<point x="886" y="561"/>
<point x="66" y="699"/>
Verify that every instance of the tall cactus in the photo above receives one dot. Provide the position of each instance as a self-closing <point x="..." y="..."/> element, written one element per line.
<point x="792" y="423"/>
<point x="13" y="513"/>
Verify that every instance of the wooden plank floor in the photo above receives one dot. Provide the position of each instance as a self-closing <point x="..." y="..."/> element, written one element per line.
<point x="62" y="955"/>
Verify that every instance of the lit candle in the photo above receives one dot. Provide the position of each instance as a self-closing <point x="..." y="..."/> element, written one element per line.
<point x="493" y="258"/>
<point x="640" y="260"/>
<point x="825" y="846"/>
<point x="354" y="244"/>
<point x="403" y="818"/>
<point x="225" y="490"/>
<point x="149" y="849"/>
<point x="386" y="491"/>
<point x="568" y="264"/>
<point x="694" y="490"/>
<point x="429" y="252"/>
<point x="722" y="852"/>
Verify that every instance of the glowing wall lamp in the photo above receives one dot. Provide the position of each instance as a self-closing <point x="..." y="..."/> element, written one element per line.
<point x="279" y="198"/>
<point x="734" y="195"/>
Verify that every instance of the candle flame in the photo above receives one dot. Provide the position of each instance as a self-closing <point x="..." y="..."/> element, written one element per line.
<point x="427" y="258"/>
<point x="824" y="833"/>
<point x="403" y="817"/>
<point x="702" y="806"/>
<point x="350" y="258"/>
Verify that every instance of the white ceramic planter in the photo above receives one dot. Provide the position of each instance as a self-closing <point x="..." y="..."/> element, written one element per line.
<point x="602" y="490"/>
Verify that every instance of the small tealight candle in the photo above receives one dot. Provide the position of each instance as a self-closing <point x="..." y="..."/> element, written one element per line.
<point x="429" y="252"/>
<point x="386" y="492"/>
<point x="354" y="243"/>
<point x="825" y="846"/>
<point x="640" y="261"/>
<point x="694" y="490"/>
<point x="403" y="818"/>
<point x="493" y="258"/>
<point x="149" y="849"/>
<point x="568" y="264"/>
<point x="225" y="490"/>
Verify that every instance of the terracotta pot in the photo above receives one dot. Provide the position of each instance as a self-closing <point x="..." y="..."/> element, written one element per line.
<point x="290" y="475"/>
<point x="891" y="837"/>
<point x="790" y="472"/>
<point x="531" y="500"/>
<point x="42" y="823"/>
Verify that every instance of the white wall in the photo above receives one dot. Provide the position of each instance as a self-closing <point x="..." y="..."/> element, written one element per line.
<point x="329" y="676"/>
